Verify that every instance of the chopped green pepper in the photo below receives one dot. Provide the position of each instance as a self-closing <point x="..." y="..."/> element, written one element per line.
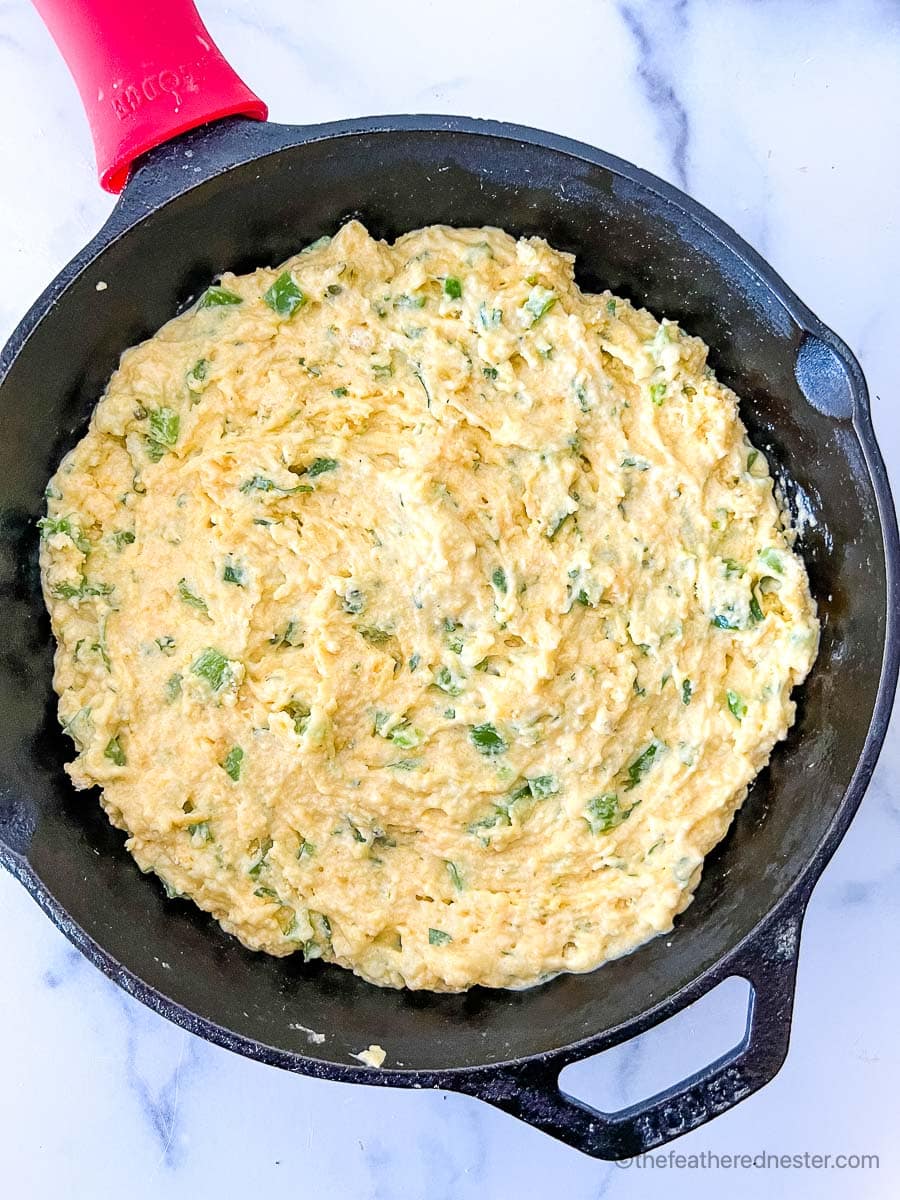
<point x="284" y="297"/>
<point x="447" y="681"/>
<point x="487" y="740"/>
<point x="538" y="787"/>
<point x="54" y="525"/>
<point x="233" y="762"/>
<point x="191" y="598"/>
<point x="489" y="318"/>
<point x="291" y="635"/>
<point x="233" y="572"/>
<point x="354" y="602"/>
<point x="542" y="786"/>
<point x="556" y="525"/>
<point x="216" y="296"/>
<point x="299" y="714"/>
<point x="540" y="301"/>
<point x="114" y="752"/>
<point x="164" y="425"/>
<point x="196" y="376"/>
<point x="724" y="620"/>
<point x="604" y="813"/>
<point x="642" y="764"/>
<point x="405" y="764"/>
<point x="262" y="850"/>
<point x="406" y="301"/>
<point x="319" y="466"/>
<point x="259" y="483"/>
<point x="213" y="666"/>
<point x="373" y="634"/>
<point x="81" y="591"/>
<point x="453" y="872"/>
<point x="406" y="736"/>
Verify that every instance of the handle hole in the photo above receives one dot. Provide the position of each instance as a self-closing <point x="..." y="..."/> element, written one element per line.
<point x="641" y="1068"/>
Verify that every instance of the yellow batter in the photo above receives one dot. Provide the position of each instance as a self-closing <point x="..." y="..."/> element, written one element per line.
<point x="420" y="613"/>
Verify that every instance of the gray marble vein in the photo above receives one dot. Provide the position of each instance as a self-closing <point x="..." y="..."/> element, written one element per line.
<point x="157" y="1104"/>
<point x="659" y="31"/>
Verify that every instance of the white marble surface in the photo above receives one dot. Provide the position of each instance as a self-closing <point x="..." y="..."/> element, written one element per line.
<point x="785" y="119"/>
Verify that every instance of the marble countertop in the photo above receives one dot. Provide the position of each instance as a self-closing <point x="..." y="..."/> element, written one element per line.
<point x="782" y="117"/>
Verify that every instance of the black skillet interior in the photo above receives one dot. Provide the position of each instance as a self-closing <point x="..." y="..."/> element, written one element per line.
<point x="179" y="224"/>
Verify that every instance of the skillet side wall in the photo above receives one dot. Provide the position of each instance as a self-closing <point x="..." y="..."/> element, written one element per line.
<point x="640" y="244"/>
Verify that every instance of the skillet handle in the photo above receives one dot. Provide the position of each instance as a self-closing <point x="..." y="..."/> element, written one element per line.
<point x="532" y="1092"/>
<point x="146" y="71"/>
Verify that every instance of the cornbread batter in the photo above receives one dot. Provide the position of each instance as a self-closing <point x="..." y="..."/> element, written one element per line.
<point x="419" y="612"/>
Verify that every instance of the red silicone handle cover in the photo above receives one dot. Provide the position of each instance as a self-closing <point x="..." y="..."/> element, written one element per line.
<point x="147" y="70"/>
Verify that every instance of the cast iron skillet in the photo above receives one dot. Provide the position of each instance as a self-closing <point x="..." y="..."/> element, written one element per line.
<point x="236" y="194"/>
